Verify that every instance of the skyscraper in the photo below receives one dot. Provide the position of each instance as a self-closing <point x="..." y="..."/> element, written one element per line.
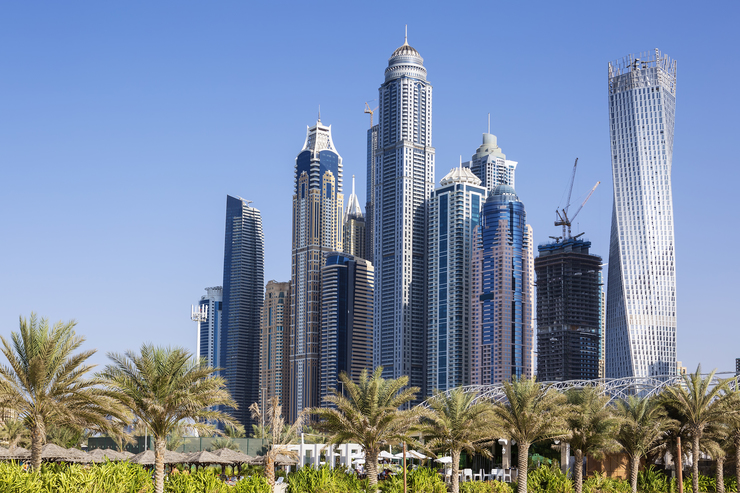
<point x="274" y="344"/>
<point x="568" y="311"/>
<point x="210" y="328"/>
<point x="502" y="273"/>
<point x="641" y="294"/>
<point x="347" y="319"/>
<point x="244" y="265"/>
<point x="404" y="181"/>
<point x="454" y="212"/>
<point x="318" y="216"/>
<point x="489" y="164"/>
<point x="372" y="158"/>
<point x="355" y="227"/>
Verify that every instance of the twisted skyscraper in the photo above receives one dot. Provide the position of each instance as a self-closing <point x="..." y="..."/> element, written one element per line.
<point x="641" y="294"/>
<point x="403" y="182"/>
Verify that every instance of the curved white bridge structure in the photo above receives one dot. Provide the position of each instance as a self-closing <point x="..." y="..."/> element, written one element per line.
<point x="616" y="388"/>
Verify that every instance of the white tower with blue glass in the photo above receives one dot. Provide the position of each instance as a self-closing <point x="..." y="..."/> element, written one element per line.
<point x="403" y="182"/>
<point x="454" y="212"/>
<point x="641" y="294"/>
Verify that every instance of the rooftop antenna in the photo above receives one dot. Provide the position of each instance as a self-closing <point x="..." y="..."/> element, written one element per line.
<point x="489" y="123"/>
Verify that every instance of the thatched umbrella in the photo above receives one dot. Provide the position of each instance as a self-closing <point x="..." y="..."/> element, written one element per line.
<point x="206" y="458"/>
<point x="101" y="455"/>
<point x="54" y="453"/>
<point x="234" y="456"/>
<point x="18" y="453"/>
<point x="146" y="458"/>
<point x="280" y="460"/>
<point x="125" y="454"/>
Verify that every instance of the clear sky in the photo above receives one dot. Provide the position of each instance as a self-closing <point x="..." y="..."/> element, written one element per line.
<point x="123" y="125"/>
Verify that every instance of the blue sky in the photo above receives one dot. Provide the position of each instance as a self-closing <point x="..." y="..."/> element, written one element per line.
<point x="124" y="125"/>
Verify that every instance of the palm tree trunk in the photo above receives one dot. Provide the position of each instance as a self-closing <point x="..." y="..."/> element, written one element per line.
<point x="720" y="475"/>
<point x="270" y="469"/>
<point x="37" y="441"/>
<point x="521" y="477"/>
<point x="455" y="470"/>
<point x="634" y="467"/>
<point x="695" y="462"/>
<point x="578" y="470"/>
<point x="736" y="440"/>
<point x="371" y="465"/>
<point x="160" y="445"/>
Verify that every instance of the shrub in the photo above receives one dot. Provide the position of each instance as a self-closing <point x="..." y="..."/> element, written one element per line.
<point x="598" y="483"/>
<point x="485" y="487"/>
<point x="548" y="479"/>
<point x="651" y="480"/>
<point x="324" y="480"/>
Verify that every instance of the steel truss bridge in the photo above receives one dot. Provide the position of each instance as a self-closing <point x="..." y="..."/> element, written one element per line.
<point x="615" y="388"/>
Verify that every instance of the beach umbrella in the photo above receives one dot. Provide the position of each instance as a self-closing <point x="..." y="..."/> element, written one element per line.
<point x="101" y="455"/>
<point x="386" y="455"/>
<point x="206" y="458"/>
<point x="280" y="460"/>
<point x="54" y="453"/>
<point x="234" y="456"/>
<point x="18" y="453"/>
<point x="444" y="460"/>
<point x="146" y="458"/>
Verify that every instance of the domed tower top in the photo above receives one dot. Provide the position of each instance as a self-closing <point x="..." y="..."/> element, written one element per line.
<point x="405" y="62"/>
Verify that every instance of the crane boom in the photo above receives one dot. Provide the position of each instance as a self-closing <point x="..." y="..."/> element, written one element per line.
<point x="368" y="110"/>
<point x="570" y="190"/>
<point x="584" y="202"/>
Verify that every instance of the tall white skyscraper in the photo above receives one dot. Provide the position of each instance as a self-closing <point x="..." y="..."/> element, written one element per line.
<point x="404" y="181"/>
<point x="641" y="294"/>
<point x="210" y="328"/>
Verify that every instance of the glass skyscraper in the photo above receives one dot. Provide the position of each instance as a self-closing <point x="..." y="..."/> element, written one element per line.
<point x="502" y="271"/>
<point x="346" y="319"/>
<point x="454" y="212"/>
<point x="244" y="265"/>
<point x="318" y="217"/>
<point x="641" y="291"/>
<point x="403" y="182"/>
<point x="274" y="348"/>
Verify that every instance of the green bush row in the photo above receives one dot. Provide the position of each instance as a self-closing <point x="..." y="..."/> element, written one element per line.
<point x="116" y="477"/>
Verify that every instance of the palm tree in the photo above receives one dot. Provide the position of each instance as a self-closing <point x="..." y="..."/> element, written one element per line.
<point x="164" y="386"/>
<point x="532" y="412"/>
<point x="699" y="404"/>
<point x="593" y="427"/>
<point x="280" y="436"/>
<point x="368" y="413"/>
<point x="456" y="422"/>
<point x="46" y="385"/>
<point x="644" y="424"/>
<point x="14" y="432"/>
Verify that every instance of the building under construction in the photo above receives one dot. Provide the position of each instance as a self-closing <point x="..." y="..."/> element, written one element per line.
<point x="568" y="311"/>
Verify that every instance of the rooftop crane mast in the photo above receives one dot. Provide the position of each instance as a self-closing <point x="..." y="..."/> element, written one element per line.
<point x="368" y="110"/>
<point x="562" y="214"/>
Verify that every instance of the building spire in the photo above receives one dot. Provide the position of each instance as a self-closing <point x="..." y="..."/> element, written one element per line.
<point x="319" y="114"/>
<point x="489" y="123"/>
<point x="460" y="162"/>
<point x="406" y="35"/>
<point x="353" y="184"/>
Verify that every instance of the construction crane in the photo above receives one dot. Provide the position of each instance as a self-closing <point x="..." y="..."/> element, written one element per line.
<point x="562" y="214"/>
<point x="368" y="110"/>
